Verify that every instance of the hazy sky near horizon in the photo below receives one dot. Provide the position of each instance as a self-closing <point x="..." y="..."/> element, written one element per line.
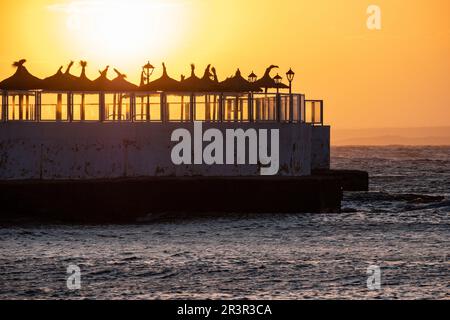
<point x="398" y="76"/>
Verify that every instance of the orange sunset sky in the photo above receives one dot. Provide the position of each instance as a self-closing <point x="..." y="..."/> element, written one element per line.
<point x="396" y="77"/>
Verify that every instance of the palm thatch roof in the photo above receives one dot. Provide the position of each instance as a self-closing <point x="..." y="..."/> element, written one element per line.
<point x="56" y="82"/>
<point x="102" y="83"/>
<point x="164" y="83"/>
<point x="83" y="83"/>
<point x="238" y="84"/>
<point x="193" y="83"/>
<point x="22" y="79"/>
<point x="120" y="84"/>
<point x="268" y="82"/>
<point x="208" y="83"/>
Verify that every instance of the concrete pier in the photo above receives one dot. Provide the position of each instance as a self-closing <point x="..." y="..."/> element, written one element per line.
<point x="127" y="200"/>
<point x="122" y="171"/>
<point x="351" y="180"/>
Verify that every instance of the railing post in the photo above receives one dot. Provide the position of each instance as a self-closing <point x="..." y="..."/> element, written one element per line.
<point x="70" y="107"/>
<point x="193" y="108"/>
<point x="303" y="108"/>
<point x="37" y="106"/>
<point x="306" y="110"/>
<point x="4" y="106"/>
<point x="321" y="112"/>
<point x="221" y="108"/>
<point x="291" y="108"/>
<point x="278" y="107"/>
<point x="101" y="115"/>
<point x="250" y="107"/>
<point x="132" y="106"/>
<point x="162" y="100"/>
<point x="257" y="110"/>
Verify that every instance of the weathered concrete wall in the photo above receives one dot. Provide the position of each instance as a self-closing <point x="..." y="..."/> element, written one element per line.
<point x="105" y="150"/>
<point x="320" y="147"/>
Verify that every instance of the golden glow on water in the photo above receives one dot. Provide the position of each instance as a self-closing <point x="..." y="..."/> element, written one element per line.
<point x="396" y="77"/>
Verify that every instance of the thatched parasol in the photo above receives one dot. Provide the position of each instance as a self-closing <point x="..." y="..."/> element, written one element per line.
<point x="191" y="84"/>
<point x="61" y="81"/>
<point x="238" y="84"/>
<point x="57" y="82"/>
<point x="207" y="83"/>
<point x="268" y="82"/>
<point x="120" y="84"/>
<point x="102" y="83"/>
<point x="21" y="80"/>
<point x="165" y="83"/>
<point x="82" y="83"/>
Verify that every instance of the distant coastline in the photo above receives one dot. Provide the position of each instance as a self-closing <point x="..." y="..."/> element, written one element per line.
<point x="423" y="136"/>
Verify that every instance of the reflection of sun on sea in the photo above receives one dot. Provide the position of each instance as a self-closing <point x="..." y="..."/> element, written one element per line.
<point x="124" y="30"/>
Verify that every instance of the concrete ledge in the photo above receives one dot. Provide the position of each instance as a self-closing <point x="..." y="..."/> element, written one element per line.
<point x="351" y="180"/>
<point x="125" y="200"/>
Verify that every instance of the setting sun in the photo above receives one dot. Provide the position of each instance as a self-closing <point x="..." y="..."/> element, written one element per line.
<point x="123" y="29"/>
<point x="360" y="73"/>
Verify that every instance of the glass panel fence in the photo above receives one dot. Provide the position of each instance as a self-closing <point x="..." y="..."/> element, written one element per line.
<point x="207" y="107"/>
<point x="54" y="107"/>
<point x="178" y="107"/>
<point x="86" y="107"/>
<point x="21" y="107"/>
<point x="148" y="108"/>
<point x="117" y="107"/>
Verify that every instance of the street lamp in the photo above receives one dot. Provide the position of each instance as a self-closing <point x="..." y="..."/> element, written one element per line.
<point x="147" y="71"/>
<point x="290" y="76"/>
<point x="277" y="80"/>
<point x="252" y="77"/>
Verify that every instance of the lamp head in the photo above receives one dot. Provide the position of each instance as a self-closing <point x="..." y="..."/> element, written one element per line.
<point x="290" y="75"/>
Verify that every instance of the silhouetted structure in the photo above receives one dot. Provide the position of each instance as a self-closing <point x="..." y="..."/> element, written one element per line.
<point x="65" y="97"/>
<point x="120" y="84"/>
<point x="267" y="82"/>
<point x="164" y="83"/>
<point x="102" y="83"/>
<point x="22" y="79"/>
<point x="192" y="83"/>
<point x="238" y="84"/>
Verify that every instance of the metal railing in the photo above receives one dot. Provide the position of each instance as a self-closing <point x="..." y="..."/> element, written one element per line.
<point x="160" y="107"/>
<point x="314" y="112"/>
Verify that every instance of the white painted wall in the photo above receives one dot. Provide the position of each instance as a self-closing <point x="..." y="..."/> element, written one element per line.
<point x="113" y="150"/>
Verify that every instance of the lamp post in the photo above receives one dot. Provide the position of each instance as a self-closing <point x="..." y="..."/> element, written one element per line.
<point x="252" y="77"/>
<point x="290" y="76"/>
<point x="277" y="80"/>
<point x="147" y="71"/>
